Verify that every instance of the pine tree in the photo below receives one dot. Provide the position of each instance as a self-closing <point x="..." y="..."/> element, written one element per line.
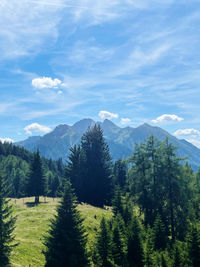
<point x="119" y="244"/>
<point x="104" y="244"/>
<point x="159" y="234"/>
<point x="66" y="243"/>
<point x="117" y="204"/>
<point x="74" y="171"/>
<point x="194" y="245"/>
<point x="7" y="226"/>
<point x="135" y="244"/>
<point x="36" y="184"/>
<point x="97" y="167"/>
<point x="120" y="170"/>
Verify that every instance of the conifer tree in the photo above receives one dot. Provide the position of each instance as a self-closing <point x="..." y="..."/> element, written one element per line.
<point x="74" y="171"/>
<point x="66" y="243"/>
<point x="120" y="170"/>
<point x="119" y="244"/>
<point x="104" y="244"/>
<point x="97" y="167"/>
<point x="135" y="244"/>
<point x="194" y="245"/>
<point x="7" y="226"/>
<point x="117" y="204"/>
<point x="36" y="184"/>
<point x="159" y="234"/>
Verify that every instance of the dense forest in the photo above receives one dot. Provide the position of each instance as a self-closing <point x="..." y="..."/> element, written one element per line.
<point x="154" y="197"/>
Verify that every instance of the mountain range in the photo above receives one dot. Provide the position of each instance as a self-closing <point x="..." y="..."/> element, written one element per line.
<point x="121" y="141"/>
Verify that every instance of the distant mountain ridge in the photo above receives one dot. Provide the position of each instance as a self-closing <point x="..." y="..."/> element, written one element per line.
<point x="121" y="141"/>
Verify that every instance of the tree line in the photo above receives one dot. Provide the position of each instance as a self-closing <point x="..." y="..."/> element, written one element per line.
<point x="155" y="203"/>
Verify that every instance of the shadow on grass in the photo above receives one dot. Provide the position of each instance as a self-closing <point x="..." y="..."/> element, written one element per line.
<point x="33" y="204"/>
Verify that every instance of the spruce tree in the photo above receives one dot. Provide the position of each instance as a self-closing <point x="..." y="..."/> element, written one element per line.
<point x="66" y="243"/>
<point x="7" y="226"/>
<point x="74" y="171"/>
<point x="104" y="244"/>
<point x="119" y="244"/>
<point x="97" y="167"/>
<point x="36" y="184"/>
<point x="194" y="245"/>
<point x="159" y="234"/>
<point x="120" y="170"/>
<point x="117" y="204"/>
<point x="135" y="244"/>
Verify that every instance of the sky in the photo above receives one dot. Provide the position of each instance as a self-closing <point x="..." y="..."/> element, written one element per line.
<point x="130" y="61"/>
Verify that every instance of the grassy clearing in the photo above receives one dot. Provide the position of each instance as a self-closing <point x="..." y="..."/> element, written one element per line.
<point x="32" y="225"/>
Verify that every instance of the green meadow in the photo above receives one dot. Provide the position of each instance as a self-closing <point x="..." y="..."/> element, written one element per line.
<point x="33" y="223"/>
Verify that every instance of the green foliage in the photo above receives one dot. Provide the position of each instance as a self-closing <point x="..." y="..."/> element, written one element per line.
<point x="194" y="245"/>
<point x="104" y="244"/>
<point x="117" y="202"/>
<point x="159" y="235"/>
<point x="119" y="242"/>
<point x="7" y="226"/>
<point x="97" y="167"/>
<point x="14" y="165"/>
<point x="135" y="244"/>
<point x="75" y="171"/>
<point x="120" y="170"/>
<point x="36" y="184"/>
<point x="66" y="243"/>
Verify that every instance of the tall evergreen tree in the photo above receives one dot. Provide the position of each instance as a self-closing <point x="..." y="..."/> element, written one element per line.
<point x="75" y="171"/>
<point x="119" y="244"/>
<point x="66" y="243"/>
<point x="104" y="244"/>
<point x="97" y="167"/>
<point x="135" y="244"/>
<point x="194" y="245"/>
<point x="36" y="184"/>
<point x="117" y="204"/>
<point x="159" y="234"/>
<point x="7" y="226"/>
<point x="120" y="170"/>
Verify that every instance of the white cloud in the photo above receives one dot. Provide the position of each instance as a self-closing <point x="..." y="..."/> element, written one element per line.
<point x="194" y="142"/>
<point x="191" y="135"/>
<point x="36" y="127"/>
<point x="125" y="121"/>
<point x="8" y="140"/>
<point x="46" y="82"/>
<point x="167" y="118"/>
<point x="182" y="132"/>
<point x="107" y="115"/>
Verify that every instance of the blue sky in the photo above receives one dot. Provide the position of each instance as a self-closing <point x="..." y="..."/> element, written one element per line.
<point x="132" y="61"/>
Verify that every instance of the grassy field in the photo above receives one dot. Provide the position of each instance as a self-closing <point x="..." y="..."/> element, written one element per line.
<point x="32" y="225"/>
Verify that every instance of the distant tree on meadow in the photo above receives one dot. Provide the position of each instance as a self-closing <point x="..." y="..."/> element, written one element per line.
<point x="36" y="183"/>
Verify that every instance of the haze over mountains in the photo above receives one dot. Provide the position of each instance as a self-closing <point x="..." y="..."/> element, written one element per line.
<point x="121" y="141"/>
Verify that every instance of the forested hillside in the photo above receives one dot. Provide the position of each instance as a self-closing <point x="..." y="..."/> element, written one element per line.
<point x="153" y="196"/>
<point x="14" y="167"/>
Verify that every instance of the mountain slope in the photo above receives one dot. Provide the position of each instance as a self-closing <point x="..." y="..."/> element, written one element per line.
<point x="121" y="141"/>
